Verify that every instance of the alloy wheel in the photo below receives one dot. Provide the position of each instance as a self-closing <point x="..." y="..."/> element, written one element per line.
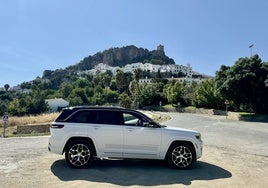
<point x="79" y="155"/>
<point x="182" y="156"/>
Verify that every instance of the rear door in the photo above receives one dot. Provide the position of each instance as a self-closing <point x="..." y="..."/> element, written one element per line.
<point x="107" y="131"/>
<point x="103" y="128"/>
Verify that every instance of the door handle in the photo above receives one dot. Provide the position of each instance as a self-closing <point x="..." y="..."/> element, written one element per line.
<point x="130" y="129"/>
<point x="96" y="127"/>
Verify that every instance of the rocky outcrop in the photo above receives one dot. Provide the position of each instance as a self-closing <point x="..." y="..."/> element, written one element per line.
<point x="122" y="56"/>
<point x="112" y="57"/>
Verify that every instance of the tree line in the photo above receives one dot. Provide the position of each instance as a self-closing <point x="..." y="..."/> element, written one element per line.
<point x="244" y="85"/>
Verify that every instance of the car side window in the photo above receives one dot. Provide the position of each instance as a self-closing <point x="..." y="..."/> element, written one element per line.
<point x="80" y="117"/>
<point x="97" y="117"/>
<point x="132" y="120"/>
<point x="109" y="117"/>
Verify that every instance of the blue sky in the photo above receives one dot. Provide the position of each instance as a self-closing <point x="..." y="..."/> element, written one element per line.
<point x="49" y="34"/>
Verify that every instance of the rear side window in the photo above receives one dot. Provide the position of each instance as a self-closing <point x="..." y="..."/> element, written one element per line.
<point x="110" y="117"/>
<point x="81" y="117"/>
<point x="97" y="117"/>
<point x="64" y="114"/>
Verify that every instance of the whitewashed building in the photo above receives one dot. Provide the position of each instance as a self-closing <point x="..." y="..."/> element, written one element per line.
<point x="56" y="104"/>
<point x="145" y="81"/>
<point x="172" y="68"/>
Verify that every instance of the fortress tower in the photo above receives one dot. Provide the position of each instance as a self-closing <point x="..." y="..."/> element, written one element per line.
<point x="160" y="48"/>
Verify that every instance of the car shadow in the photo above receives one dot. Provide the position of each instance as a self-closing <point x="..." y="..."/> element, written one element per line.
<point x="138" y="172"/>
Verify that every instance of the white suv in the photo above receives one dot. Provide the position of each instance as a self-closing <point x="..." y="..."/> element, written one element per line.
<point x="85" y="133"/>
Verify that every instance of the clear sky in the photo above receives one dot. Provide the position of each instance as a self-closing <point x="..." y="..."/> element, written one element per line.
<point x="53" y="34"/>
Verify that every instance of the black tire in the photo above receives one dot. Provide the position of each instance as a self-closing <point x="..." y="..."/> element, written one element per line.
<point x="79" y="154"/>
<point x="181" y="155"/>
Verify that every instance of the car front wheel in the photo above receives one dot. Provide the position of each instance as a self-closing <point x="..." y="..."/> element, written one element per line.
<point x="181" y="155"/>
<point x="79" y="154"/>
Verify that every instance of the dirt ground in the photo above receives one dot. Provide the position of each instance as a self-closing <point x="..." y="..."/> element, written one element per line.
<point x="25" y="162"/>
<point x="28" y="166"/>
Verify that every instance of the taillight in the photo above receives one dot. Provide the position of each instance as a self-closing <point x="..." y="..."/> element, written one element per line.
<point x="56" y="126"/>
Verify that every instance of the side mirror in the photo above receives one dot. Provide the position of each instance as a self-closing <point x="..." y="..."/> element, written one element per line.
<point x="146" y="124"/>
<point x="150" y="124"/>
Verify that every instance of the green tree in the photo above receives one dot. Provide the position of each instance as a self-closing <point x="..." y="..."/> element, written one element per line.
<point x="112" y="96"/>
<point x="76" y="101"/>
<point x="206" y="95"/>
<point x="98" y="99"/>
<point x="16" y="109"/>
<point x="145" y="94"/>
<point x="65" y="89"/>
<point x="97" y="80"/>
<point x="189" y="93"/>
<point x="3" y="107"/>
<point x="6" y="86"/>
<point x="106" y="79"/>
<point x="244" y="84"/>
<point x="137" y="74"/>
<point x="133" y="89"/>
<point x="174" y="91"/>
<point x="80" y="93"/>
<point x="82" y="83"/>
<point x="34" y="102"/>
<point x="113" y="85"/>
<point x="25" y="85"/>
<point x="122" y="81"/>
<point x="125" y="100"/>
<point x="89" y="91"/>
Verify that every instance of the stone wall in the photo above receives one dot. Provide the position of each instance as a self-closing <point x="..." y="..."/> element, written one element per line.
<point x="36" y="128"/>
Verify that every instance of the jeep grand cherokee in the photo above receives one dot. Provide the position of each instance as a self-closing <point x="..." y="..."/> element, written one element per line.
<point x="85" y="133"/>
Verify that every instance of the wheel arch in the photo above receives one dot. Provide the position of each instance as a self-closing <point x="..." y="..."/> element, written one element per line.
<point x="182" y="141"/>
<point x="85" y="139"/>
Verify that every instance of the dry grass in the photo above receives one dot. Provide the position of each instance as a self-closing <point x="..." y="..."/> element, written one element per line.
<point x="26" y="120"/>
<point x="14" y="121"/>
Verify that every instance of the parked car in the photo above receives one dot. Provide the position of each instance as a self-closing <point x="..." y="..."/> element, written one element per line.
<point x="85" y="133"/>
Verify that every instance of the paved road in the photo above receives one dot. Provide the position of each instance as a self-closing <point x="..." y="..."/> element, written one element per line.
<point x="239" y="136"/>
<point x="235" y="155"/>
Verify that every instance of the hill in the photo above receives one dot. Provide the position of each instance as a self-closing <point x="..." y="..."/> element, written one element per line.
<point x="112" y="57"/>
<point x="122" y="56"/>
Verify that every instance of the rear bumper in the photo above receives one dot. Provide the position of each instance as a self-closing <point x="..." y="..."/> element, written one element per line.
<point x="54" y="147"/>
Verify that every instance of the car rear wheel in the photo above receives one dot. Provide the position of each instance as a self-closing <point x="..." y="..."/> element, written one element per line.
<point x="180" y="155"/>
<point x="79" y="154"/>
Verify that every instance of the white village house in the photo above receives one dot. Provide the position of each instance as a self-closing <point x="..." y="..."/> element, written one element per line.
<point x="56" y="104"/>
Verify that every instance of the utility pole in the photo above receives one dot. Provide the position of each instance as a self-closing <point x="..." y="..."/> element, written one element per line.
<point x="251" y="49"/>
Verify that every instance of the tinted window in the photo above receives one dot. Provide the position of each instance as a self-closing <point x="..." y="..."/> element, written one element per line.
<point x="82" y="117"/>
<point x="65" y="113"/>
<point x="97" y="117"/>
<point x="110" y="117"/>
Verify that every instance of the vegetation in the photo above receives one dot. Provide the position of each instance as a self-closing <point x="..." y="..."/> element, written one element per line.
<point x="207" y="96"/>
<point x="244" y="85"/>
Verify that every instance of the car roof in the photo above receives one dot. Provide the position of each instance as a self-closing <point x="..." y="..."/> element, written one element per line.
<point x="117" y="108"/>
<point x="94" y="107"/>
<point x="67" y="112"/>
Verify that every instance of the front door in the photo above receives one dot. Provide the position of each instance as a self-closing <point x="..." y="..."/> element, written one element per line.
<point x="140" y="141"/>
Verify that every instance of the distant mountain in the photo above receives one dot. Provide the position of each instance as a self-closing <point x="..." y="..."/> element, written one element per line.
<point x="112" y="57"/>
<point x="122" y="56"/>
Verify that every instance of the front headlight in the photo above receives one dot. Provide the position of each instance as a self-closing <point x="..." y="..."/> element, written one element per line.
<point x="198" y="136"/>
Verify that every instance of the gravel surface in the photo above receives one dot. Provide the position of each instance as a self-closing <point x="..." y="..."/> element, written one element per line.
<point x="235" y="155"/>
